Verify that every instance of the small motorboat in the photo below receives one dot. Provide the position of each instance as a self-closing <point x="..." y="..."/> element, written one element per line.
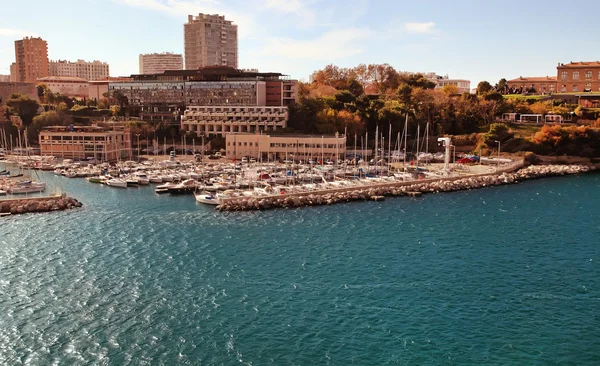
<point x="115" y="182"/>
<point x="207" y="198"/>
<point x="164" y="188"/>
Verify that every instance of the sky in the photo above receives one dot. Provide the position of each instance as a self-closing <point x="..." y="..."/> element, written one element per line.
<point x="464" y="39"/>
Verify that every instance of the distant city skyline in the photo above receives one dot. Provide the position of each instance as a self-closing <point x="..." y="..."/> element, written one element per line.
<point x="463" y="39"/>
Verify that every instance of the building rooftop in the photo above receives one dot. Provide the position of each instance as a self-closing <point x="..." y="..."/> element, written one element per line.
<point x="580" y="64"/>
<point x="207" y="73"/>
<point x="62" y="78"/>
<point x="533" y="78"/>
<point x="86" y="129"/>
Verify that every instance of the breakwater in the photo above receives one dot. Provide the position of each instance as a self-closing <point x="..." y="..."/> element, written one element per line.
<point x="378" y="191"/>
<point x="37" y="204"/>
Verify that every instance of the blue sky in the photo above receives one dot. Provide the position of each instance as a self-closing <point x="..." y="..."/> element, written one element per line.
<point x="475" y="40"/>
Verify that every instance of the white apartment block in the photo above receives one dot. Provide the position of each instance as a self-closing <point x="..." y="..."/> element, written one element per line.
<point x="157" y="63"/>
<point x="222" y="120"/>
<point x="210" y="40"/>
<point x="94" y="70"/>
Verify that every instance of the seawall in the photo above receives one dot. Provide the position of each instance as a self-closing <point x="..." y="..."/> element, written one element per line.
<point x="16" y="206"/>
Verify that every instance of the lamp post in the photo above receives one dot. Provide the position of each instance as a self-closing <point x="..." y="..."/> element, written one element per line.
<point x="138" y="146"/>
<point x="498" y="151"/>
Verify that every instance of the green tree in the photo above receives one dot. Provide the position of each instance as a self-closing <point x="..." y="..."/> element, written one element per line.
<point x="23" y="106"/>
<point x="484" y="87"/>
<point x="50" y="118"/>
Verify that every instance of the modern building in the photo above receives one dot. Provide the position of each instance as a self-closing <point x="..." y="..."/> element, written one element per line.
<point x="221" y="120"/>
<point x="464" y="86"/>
<point x="65" y="85"/>
<point x="210" y="40"/>
<point x="532" y="84"/>
<point x="81" y="69"/>
<point x="157" y="63"/>
<point x="82" y="142"/>
<point x="165" y="96"/>
<point x="8" y="88"/>
<point x="31" y="59"/>
<point x="576" y="77"/>
<point x="4" y="78"/>
<point x="13" y="72"/>
<point x="97" y="88"/>
<point x="284" y="147"/>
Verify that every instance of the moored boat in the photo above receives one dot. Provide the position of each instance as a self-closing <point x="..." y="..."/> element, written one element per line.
<point x="115" y="182"/>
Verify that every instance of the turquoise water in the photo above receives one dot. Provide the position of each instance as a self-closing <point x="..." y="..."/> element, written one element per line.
<point x="507" y="275"/>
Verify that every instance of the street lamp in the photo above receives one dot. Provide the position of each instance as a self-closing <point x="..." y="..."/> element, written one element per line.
<point x="498" y="151"/>
<point x="138" y="145"/>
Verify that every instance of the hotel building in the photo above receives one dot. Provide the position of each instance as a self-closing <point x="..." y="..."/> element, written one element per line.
<point x="210" y="40"/>
<point x="81" y="69"/>
<point x="292" y="147"/>
<point x="166" y="96"/>
<point x="464" y="86"/>
<point x="31" y="59"/>
<point x="82" y="142"/>
<point x="157" y="63"/>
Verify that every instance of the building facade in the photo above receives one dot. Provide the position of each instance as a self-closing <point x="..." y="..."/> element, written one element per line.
<point x="81" y="69"/>
<point x="97" y="88"/>
<point x="534" y="85"/>
<point x="4" y="78"/>
<point x="285" y="147"/>
<point x="210" y="40"/>
<point x="13" y="72"/>
<point x="107" y="144"/>
<point x="464" y="86"/>
<point x="222" y="120"/>
<point x="157" y="63"/>
<point x="577" y="77"/>
<point x="31" y="59"/>
<point x="166" y="96"/>
<point x="64" y="85"/>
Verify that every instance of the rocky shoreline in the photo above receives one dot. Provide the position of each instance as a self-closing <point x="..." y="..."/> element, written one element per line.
<point x="379" y="192"/>
<point x="16" y="206"/>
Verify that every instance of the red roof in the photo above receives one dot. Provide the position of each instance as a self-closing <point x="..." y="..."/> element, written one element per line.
<point x="533" y="79"/>
<point x="580" y="64"/>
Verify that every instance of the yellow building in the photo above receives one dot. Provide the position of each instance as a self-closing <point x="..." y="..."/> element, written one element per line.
<point x="285" y="147"/>
<point x="83" y="142"/>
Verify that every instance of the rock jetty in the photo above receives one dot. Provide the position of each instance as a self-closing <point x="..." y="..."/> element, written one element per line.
<point x="413" y="189"/>
<point x="38" y="204"/>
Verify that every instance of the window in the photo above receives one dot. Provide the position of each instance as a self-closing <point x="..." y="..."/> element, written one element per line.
<point x="575" y="88"/>
<point x="588" y="87"/>
<point x="588" y="75"/>
<point x="563" y="89"/>
<point x="563" y="75"/>
<point x="575" y="75"/>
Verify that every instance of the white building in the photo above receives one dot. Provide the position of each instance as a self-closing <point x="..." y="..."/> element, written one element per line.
<point x="157" y="63"/>
<point x="81" y="69"/>
<point x="221" y="120"/>
<point x="210" y="40"/>
<point x="464" y="86"/>
<point x="4" y="78"/>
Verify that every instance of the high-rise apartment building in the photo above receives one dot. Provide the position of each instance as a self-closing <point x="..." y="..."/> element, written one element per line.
<point x="31" y="59"/>
<point x="210" y="40"/>
<point x="157" y="63"/>
<point x="94" y="70"/>
<point x="13" y="72"/>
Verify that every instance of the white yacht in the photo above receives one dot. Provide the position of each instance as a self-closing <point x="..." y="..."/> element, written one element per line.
<point x="116" y="182"/>
<point x="207" y="198"/>
<point x="27" y="187"/>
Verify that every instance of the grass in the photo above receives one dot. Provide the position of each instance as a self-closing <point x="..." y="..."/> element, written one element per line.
<point x="525" y="97"/>
<point x="523" y="130"/>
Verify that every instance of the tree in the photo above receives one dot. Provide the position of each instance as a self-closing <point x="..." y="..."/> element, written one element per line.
<point x="50" y="118"/>
<point x="483" y="87"/>
<point x="502" y="86"/>
<point x="450" y="89"/>
<point x="23" y="106"/>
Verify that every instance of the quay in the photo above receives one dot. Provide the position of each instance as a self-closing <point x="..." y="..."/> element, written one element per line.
<point x="510" y="175"/>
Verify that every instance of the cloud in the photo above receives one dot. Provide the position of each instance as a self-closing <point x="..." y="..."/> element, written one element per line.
<point x="420" y="28"/>
<point x="8" y="32"/>
<point x="331" y="45"/>
<point x="247" y="26"/>
<point x="294" y="7"/>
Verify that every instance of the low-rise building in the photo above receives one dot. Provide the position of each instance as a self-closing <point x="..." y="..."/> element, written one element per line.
<point x="284" y="147"/>
<point x="82" y="69"/>
<point x="83" y="142"/>
<point x="577" y="77"/>
<point x="221" y="120"/>
<point x="97" y="88"/>
<point x="66" y="85"/>
<point x="4" y="78"/>
<point x="532" y="84"/>
<point x="464" y="86"/>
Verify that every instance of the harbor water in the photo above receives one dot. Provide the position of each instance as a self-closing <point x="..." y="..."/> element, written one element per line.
<point x="505" y="275"/>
